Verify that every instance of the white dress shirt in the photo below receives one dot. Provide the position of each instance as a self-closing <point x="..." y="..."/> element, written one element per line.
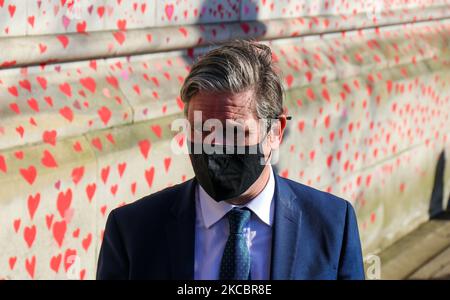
<point x="212" y="228"/>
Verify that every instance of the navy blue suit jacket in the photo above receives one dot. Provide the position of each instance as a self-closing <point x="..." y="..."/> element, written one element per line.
<point x="315" y="236"/>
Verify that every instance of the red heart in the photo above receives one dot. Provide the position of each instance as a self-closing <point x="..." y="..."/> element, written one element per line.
<point x="59" y="231"/>
<point x="121" y="168"/>
<point x="113" y="81"/>
<point x="105" y="114"/>
<point x="100" y="11"/>
<point x="25" y="84"/>
<point x="89" y="83"/>
<point x="48" y="160"/>
<point x="42" y="48"/>
<point x="12" y="262"/>
<point x="49" y="137"/>
<point x="149" y="174"/>
<point x="64" y="40"/>
<point x="77" y="174"/>
<point x="15" y="108"/>
<point x="97" y="143"/>
<point x="156" y="130"/>
<point x="13" y="91"/>
<point x="77" y="147"/>
<point x="29" y="174"/>
<point x="11" y="9"/>
<point x="70" y="257"/>
<point x="169" y="8"/>
<point x="33" y="104"/>
<point x="245" y="27"/>
<point x="66" y="89"/>
<point x="90" y="190"/>
<point x="87" y="242"/>
<point x="3" y="167"/>
<point x="31" y="20"/>
<point x="81" y="27"/>
<point x="113" y="189"/>
<point x="63" y="202"/>
<point x="29" y="235"/>
<point x="30" y="266"/>
<point x="16" y="225"/>
<point x="144" y="147"/>
<point x="119" y="36"/>
<point x="33" y="203"/>
<point x="67" y="113"/>
<point x="167" y="161"/>
<point x="122" y="24"/>
<point x="104" y="174"/>
<point x="42" y="82"/>
<point x="76" y="233"/>
<point x="55" y="261"/>
<point x="49" y="220"/>
<point x="289" y="79"/>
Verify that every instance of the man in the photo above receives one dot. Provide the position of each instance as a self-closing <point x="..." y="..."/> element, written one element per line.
<point x="236" y="219"/>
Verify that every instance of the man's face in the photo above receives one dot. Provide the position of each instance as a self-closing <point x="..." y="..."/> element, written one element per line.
<point x="236" y="116"/>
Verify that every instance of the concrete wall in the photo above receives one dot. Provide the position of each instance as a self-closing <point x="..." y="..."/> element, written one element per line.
<point x="88" y="93"/>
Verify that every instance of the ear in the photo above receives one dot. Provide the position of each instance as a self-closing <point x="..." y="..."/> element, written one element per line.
<point x="276" y="132"/>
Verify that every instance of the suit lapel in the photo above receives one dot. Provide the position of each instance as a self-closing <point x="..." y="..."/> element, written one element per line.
<point x="286" y="231"/>
<point x="181" y="234"/>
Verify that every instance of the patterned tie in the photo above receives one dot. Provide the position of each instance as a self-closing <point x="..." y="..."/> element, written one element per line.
<point x="235" y="263"/>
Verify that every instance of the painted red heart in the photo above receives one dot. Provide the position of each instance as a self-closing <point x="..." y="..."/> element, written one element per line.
<point x="167" y="162"/>
<point x="55" y="262"/>
<point x="29" y="234"/>
<point x="105" y="114"/>
<point x="48" y="160"/>
<point x="49" y="220"/>
<point x="64" y="40"/>
<point x="119" y="36"/>
<point x="87" y="242"/>
<point x="33" y="104"/>
<point x="63" y="202"/>
<point x="29" y="174"/>
<point x="89" y="84"/>
<point x="30" y="266"/>
<point x="77" y="174"/>
<point x="121" y="168"/>
<point x="70" y="257"/>
<point x="97" y="143"/>
<point x="144" y="147"/>
<point x="49" y="137"/>
<point x="104" y="174"/>
<point x="33" y="203"/>
<point x="59" y="231"/>
<point x="168" y="9"/>
<point x="149" y="175"/>
<point x="25" y="84"/>
<point x="156" y="130"/>
<point x="16" y="225"/>
<point x="12" y="262"/>
<point x="3" y="166"/>
<point x="66" y="89"/>
<point x="90" y="190"/>
<point x="67" y="113"/>
<point x="42" y="82"/>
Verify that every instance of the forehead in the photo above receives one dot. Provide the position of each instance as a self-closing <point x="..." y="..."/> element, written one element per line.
<point x="223" y="106"/>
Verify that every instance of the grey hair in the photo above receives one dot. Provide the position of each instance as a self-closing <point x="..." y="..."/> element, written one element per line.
<point x="234" y="67"/>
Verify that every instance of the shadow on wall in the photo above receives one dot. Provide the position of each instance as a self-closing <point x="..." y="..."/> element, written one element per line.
<point x="437" y="195"/>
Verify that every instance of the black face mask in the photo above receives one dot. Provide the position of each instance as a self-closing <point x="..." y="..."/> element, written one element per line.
<point x="226" y="175"/>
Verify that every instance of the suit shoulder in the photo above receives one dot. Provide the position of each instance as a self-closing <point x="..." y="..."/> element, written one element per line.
<point x="157" y="203"/>
<point x="317" y="199"/>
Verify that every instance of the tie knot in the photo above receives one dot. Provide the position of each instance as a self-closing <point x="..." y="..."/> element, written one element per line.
<point x="238" y="219"/>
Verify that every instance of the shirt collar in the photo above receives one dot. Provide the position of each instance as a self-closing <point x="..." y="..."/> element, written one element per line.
<point x="261" y="205"/>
